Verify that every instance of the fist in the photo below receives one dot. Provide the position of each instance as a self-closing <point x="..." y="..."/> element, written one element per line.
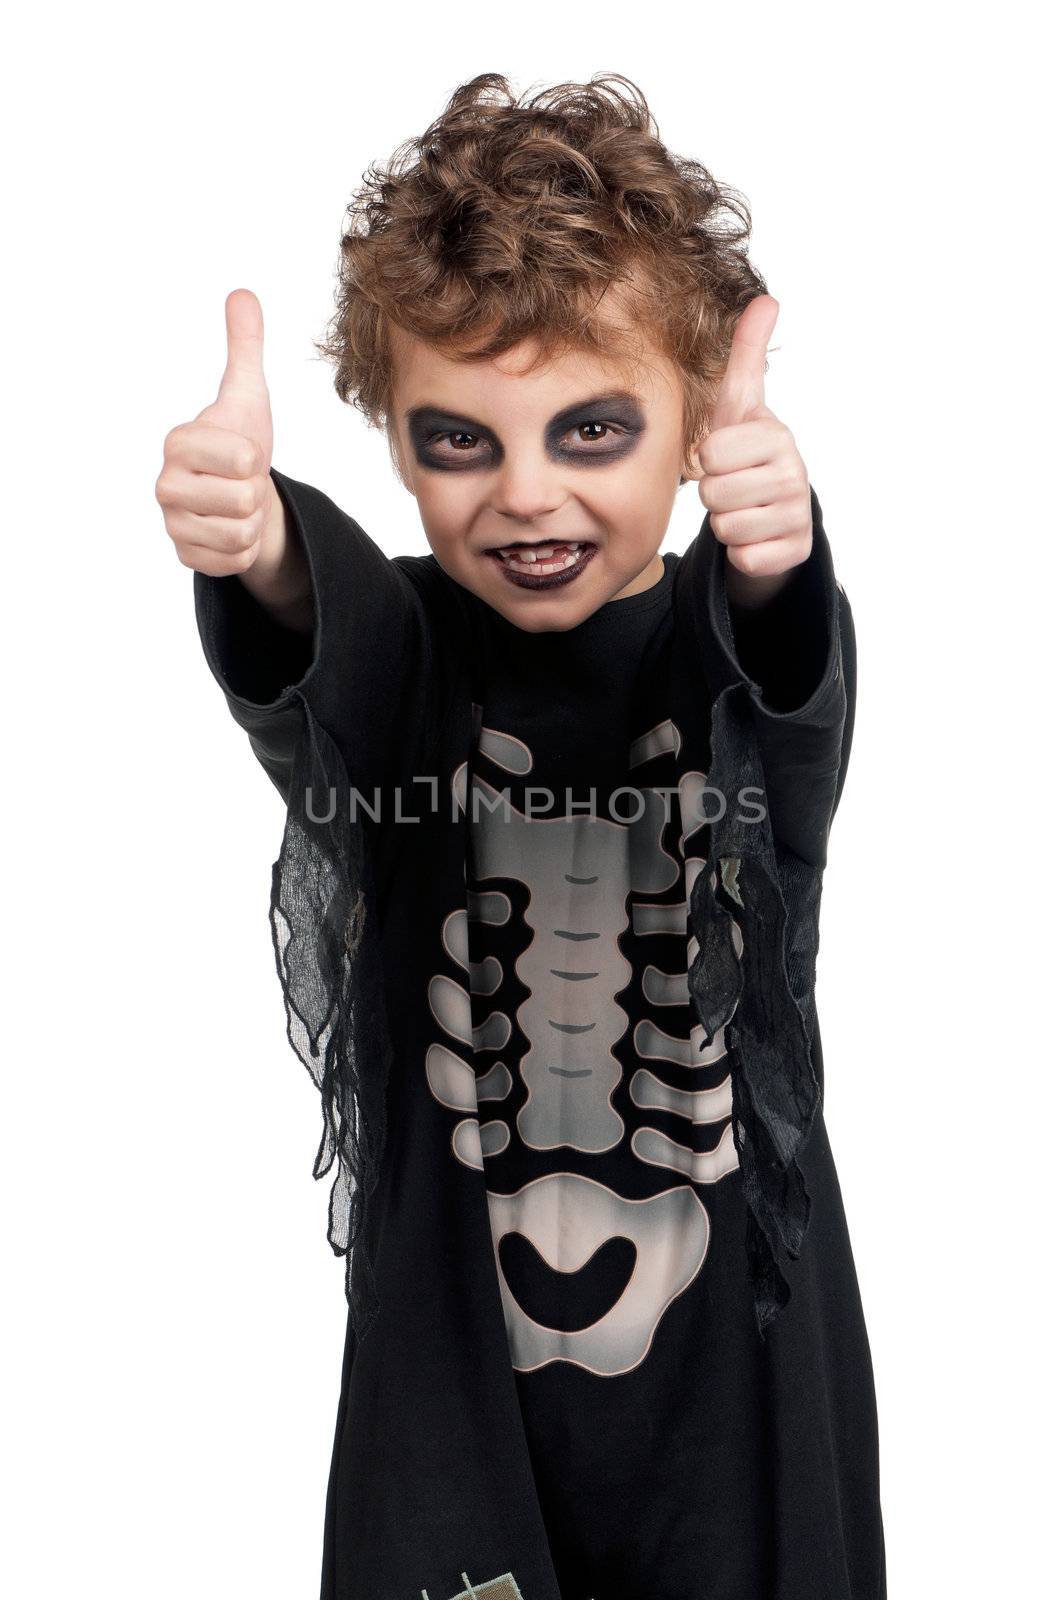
<point x="751" y="479"/>
<point x="219" y="504"/>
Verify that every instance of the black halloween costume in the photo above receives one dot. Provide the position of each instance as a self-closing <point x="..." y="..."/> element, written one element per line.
<point x="546" y="917"/>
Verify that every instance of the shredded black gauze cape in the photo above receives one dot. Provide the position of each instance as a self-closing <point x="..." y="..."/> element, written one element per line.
<point x="324" y="917"/>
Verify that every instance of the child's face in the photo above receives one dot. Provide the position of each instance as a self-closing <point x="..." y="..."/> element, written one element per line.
<point x="572" y="452"/>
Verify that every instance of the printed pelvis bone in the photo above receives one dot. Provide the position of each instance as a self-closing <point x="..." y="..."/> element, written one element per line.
<point x="578" y="869"/>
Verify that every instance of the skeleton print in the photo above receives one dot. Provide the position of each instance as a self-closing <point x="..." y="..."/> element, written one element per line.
<point x="502" y="1588"/>
<point x="572" y="875"/>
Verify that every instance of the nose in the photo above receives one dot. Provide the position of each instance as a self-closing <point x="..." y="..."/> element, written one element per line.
<point x="526" y="487"/>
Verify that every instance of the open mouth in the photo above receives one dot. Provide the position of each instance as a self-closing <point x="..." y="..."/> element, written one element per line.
<point x="543" y="565"/>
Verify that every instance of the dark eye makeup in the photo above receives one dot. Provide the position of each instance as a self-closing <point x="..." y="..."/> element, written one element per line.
<point x="618" y="417"/>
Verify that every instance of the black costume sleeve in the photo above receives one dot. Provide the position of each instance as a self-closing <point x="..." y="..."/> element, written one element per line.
<point x="359" y="700"/>
<point x="797" y="656"/>
<point x="365" y="672"/>
<point x="781" y="687"/>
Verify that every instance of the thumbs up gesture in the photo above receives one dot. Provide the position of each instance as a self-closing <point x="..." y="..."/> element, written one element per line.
<point x="220" y="506"/>
<point x="751" y="479"/>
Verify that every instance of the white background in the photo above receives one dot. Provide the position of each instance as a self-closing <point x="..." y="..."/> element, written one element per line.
<point x="174" y="1317"/>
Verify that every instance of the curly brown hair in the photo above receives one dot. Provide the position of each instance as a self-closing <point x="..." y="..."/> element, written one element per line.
<point x="508" y="220"/>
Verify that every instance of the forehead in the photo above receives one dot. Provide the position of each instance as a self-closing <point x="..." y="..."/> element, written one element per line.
<point x="519" y="382"/>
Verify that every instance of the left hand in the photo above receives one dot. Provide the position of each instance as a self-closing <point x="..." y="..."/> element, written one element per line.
<point x="752" y="480"/>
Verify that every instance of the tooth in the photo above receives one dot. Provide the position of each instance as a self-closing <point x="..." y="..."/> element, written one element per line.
<point x="546" y="558"/>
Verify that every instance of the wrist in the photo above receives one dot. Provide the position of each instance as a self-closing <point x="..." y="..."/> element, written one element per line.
<point x="280" y="578"/>
<point x="750" y="591"/>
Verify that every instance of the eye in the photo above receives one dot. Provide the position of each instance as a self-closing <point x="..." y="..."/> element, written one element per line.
<point x="606" y="429"/>
<point x="463" y="448"/>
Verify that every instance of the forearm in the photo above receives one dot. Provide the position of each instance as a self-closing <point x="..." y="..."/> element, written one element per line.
<point x="783" y="625"/>
<point x="280" y="578"/>
<point x="750" y="591"/>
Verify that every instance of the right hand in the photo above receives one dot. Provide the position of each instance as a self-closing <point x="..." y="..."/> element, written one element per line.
<point x="219" y="503"/>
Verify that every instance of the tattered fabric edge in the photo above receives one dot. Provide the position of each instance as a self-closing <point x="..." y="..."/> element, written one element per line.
<point x="762" y="998"/>
<point x="323" y="923"/>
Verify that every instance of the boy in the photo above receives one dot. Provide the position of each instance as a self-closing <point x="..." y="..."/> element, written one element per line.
<point x="546" y="908"/>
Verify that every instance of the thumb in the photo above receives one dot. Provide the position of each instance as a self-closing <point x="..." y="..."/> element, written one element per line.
<point x="244" y="379"/>
<point x="243" y="404"/>
<point x="741" y="391"/>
